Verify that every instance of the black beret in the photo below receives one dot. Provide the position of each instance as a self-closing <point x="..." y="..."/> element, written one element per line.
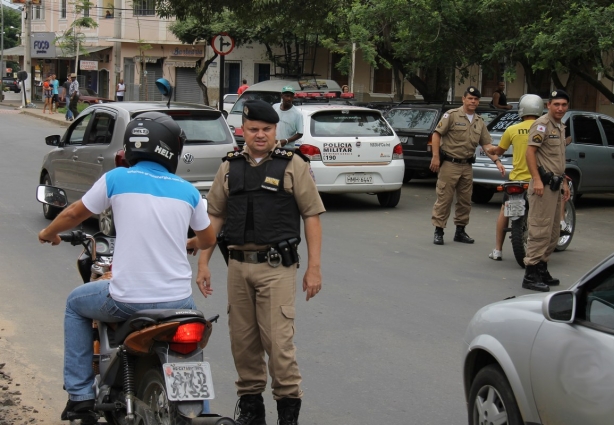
<point x="559" y="94"/>
<point x="473" y="91"/>
<point x="259" y="110"/>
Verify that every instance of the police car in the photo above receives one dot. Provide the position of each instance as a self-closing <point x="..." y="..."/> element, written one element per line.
<point x="352" y="150"/>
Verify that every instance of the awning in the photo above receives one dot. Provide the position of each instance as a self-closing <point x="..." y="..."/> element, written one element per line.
<point x="14" y="52"/>
<point x="21" y="51"/>
<point x="181" y="62"/>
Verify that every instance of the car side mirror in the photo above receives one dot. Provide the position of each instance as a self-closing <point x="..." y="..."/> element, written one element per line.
<point x="560" y="307"/>
<point x="225" y="113"/>
<point x="51" y="195"/>
<point x="53" y="140"/>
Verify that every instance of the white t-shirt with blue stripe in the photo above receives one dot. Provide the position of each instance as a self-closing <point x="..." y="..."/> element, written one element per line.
<point x="152" y="210"/>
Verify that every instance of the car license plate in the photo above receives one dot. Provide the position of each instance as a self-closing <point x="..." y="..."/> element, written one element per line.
<point x="358" y="178"/>
<point x="188" y="381"/>
<point x="514" y="208"/>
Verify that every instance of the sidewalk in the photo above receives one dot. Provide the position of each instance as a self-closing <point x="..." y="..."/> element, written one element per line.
<point x="14" y="100"/>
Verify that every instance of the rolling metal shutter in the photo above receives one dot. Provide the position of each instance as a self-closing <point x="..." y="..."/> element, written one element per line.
<point x="187" y="89"/>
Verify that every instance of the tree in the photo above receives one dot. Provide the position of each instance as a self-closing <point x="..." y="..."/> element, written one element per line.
<point x="12" y="29"/>
<point x="71" y="41"/>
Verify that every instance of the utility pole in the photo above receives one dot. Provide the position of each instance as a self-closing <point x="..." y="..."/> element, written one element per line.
<point x="27" y="59"/>
<point x="117" y="34"/>
<point x="2" y="67"/>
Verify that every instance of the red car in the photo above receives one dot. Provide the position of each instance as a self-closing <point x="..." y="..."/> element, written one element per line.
<point x="88" y="96"/>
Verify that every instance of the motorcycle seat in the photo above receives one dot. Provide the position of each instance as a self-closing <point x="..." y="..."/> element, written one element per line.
<point x="144" y="318"/>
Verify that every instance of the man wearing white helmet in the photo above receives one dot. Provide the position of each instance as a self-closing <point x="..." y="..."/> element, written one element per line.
<point x="530" y="108"/>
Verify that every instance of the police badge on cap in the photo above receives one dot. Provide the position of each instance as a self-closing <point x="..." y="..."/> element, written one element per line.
<point x="473" y="91"/>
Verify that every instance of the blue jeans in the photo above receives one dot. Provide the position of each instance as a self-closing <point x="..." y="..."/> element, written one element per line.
<point x="68" y="113"/>
<point x="87" y="302"/>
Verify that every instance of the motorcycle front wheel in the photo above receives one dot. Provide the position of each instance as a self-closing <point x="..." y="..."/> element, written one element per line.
<point x="152" y="391"/>
<point x="569" y="216"/>
<point x="520" y="233"/>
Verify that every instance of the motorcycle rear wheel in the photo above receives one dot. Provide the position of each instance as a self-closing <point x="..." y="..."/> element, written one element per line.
<point x="569" y="216"/>
<point x="152" y="391"/>
<point x="520" y="233"/>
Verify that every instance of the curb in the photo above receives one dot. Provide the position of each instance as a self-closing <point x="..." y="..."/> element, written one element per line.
<point x="49" y="119"/>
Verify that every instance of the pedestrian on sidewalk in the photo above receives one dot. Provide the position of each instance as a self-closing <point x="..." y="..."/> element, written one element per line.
<point x="55" y="91"/>
<point x="73" y="94"/>
<point x="65" y="98"/>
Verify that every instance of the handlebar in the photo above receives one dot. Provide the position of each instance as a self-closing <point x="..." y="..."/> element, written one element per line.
<point x="78" y="237"/>
<point x="213" y="319"/>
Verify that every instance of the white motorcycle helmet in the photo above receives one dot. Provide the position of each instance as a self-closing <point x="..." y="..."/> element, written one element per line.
<point x="530" y="104"/>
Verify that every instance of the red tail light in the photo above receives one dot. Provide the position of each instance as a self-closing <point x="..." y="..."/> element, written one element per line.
<point x="330" y="95"/>
<point x="238" y="131"/>
<point x="397" y="152"/>
<point x="300" y="95"/>
<point x="514" y="190"/>
<point x="429" y="144"/>
<point x="120" y="159"/>
<point x="311" y="152"/>
<point x="187" y="337"/>
<point x="314" y="94"/>
<point x="347" y="96"/>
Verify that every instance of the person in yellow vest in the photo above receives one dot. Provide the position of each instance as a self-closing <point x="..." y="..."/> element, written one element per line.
<point x="530" y="108"/>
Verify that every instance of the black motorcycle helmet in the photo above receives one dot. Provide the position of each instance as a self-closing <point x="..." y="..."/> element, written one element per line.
<point x="154" y="136"/>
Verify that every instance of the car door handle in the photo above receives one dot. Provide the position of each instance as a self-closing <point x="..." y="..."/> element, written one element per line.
<point x="100" y="158"/>
<point x="581" y="154"/>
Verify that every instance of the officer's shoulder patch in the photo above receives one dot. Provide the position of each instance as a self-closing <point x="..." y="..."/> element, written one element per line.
<point x="283" y="153"/>
<point x="232" y="155"/>
<point x="541" y="128"/>
<point x="301" y="155"/>
<point x="446" y="115"/>
<point x="537" y="138"/>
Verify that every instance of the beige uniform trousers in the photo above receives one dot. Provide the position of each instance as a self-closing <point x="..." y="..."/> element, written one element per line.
<point x="261" y="319"/>
<point x="453" y="178"/>
<point x="544" y="225"/>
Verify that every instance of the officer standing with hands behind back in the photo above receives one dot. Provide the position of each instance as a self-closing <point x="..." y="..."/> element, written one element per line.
<point x="457" y="134"/>
<point x="259" y="196"/>
<point x="546" y="161"/>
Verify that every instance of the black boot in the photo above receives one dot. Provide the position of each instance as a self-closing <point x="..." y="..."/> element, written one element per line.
<point x="461" y="236"/>
<point x="542" y="267"/>
<point x="438" y="239"/>
<point x="251" y="410"/>
<point x="83" y="410"/>
<point x="287" y="411"/>
<point x="533" y="281"/>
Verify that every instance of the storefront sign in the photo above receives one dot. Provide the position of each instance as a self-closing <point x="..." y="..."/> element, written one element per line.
<point x="42" y="45"/>
<point x="146" y="59"/>
<point x="198" y="51"/>
<point x="88" y="65"/>
<point x="180" y="64"/>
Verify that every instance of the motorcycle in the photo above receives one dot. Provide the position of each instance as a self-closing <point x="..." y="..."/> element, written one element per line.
<point x="516" y="208"/>
<point x="150" y="369"/>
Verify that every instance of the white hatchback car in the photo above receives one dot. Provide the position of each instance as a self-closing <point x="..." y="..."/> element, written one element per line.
<point x="352" y="150"/>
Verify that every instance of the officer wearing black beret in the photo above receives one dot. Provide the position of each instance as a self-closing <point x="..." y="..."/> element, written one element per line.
<point x="454" y="141"/>
<point x="259" y="197"/>
<point x="546" y="162"/>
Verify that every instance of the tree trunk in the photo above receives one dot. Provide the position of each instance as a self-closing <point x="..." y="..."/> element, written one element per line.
<point x="199" y="78"/>
<point x="595" y="83"/>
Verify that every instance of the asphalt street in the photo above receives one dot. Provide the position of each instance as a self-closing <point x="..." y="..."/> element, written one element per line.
<point x="381" y="343"/>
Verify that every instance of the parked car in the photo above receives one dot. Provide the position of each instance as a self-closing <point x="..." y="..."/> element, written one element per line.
<point x="270" y="91"/>
<point x="229" y="101"/>
<point x="352" y="150"/>
<point x="414" y="122"/>
<point x="88" y="96"/>
<point x="544" y="358"/>
<point x="590" y="156"/>
<point x="11" y="83"/>
<point x="93" y="145"/>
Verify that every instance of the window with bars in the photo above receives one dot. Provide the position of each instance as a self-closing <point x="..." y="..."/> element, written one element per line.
<point x="144" y="7"/>
<point x="63" y="9"/>
<point x="382" y="80"/>
<point x="38" y="11"/>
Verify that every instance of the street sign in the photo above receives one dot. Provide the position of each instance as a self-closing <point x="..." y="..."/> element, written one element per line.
<point x="222" y="44"/>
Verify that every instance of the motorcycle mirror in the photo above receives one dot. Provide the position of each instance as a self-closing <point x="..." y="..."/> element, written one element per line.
<point x="165" y="89"/>
<point x="51" y="195"/>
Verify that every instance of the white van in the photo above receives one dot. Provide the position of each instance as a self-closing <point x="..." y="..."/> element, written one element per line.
<point x="270" y="91"/>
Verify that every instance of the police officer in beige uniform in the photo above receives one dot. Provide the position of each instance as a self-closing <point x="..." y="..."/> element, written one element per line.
<point x="259" y="196"/>
<point x="546" y="161"/>
<point x="457" y="134"/>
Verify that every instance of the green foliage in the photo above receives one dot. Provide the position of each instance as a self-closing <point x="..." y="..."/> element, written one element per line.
<point x="12" y="27"/>
<point x="72" y="36"/>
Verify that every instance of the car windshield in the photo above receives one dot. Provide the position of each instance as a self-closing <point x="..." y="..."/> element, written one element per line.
<point x="267" y="96"/>
<point x="411" y="119"/>
<point x="200" y="127"/>
<point x="503" y="121"/>
<point x="349" y="123"/>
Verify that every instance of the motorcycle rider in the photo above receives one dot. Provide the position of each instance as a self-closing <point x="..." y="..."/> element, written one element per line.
<point x="153" y="210"/>
<point x="530" y="108"/>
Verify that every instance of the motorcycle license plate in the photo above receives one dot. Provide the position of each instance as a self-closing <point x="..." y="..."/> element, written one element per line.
<point x="188" y="381"/>
<point x="514" y="208"/>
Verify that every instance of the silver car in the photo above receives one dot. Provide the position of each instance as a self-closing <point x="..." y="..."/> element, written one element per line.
<point x="93" y="145"/>
<point x="590" y="156"/>
<point x="544" y="358"/>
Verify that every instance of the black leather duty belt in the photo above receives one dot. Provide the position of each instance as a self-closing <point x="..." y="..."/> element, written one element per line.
<point x="252" y="257"/>
<point x="457" y="161"/>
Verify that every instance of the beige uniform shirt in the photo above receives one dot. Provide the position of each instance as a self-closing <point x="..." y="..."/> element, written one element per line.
<point x="298" y="180"/>
<point x="459" y="137"/>
<point x="549" y="137"/>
